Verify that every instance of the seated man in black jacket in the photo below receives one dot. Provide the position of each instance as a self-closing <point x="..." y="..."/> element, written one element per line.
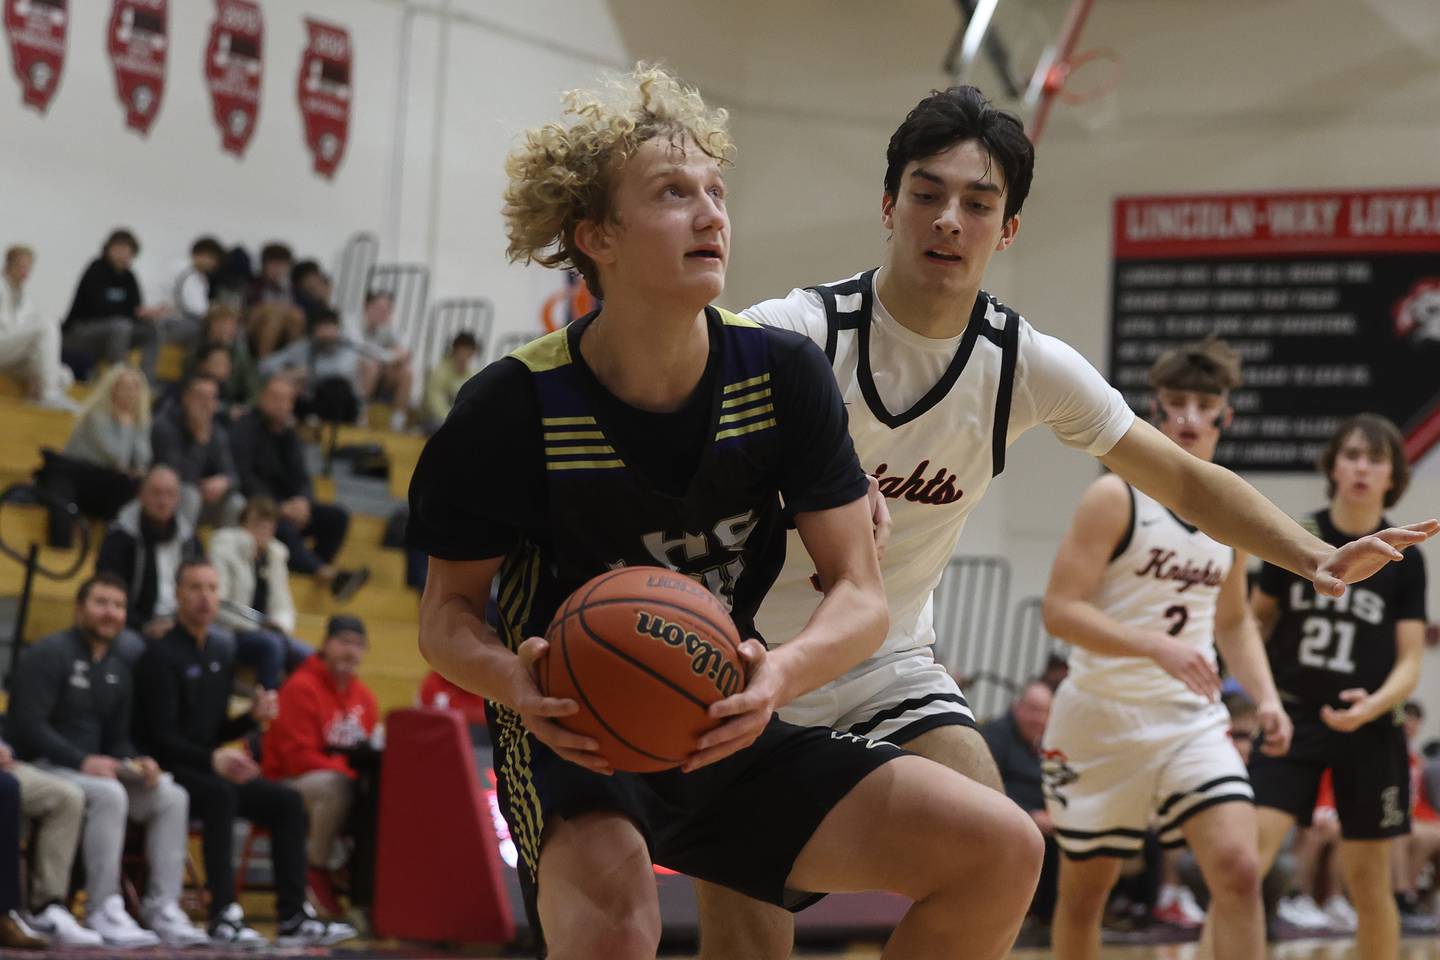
<point x="186" y="436"/>
<point x="271" y="463"/>
<point x="1014" y="742"/>
<point x="70" y="715"/>
<point x="183" y="685"/>
<point x="144" y="547"/>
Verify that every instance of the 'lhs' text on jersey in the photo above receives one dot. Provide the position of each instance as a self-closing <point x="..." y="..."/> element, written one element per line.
<point x="1357" y="602"/>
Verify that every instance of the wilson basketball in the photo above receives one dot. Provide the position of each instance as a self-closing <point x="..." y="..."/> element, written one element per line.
<point x="645" y="651"/>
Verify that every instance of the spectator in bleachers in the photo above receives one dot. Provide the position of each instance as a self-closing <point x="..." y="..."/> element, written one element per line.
<point x="325" y="708"/>
<point x="311" y="289"/>
<point x="1422" y="846"/>
<point x="182" y="695"/>
<point x="107" y="318"/>
<point x="29" y="345"/>
<point x="55" y="810"/>
<point x="1014" y="742"/>
<point x="188" y="437"/>
<point x="325" y="366"/>
<point x="385" y="375"/>
<point x="146" y="544"/>
<point x="190" y="290"/>
<point x="443" y="382"/>
<point x="255" y="598"/>
<point x="275" y="318"/>
<point x="107" y="452"/>
<point x="271" y="461"/>
<point x="15" y="933"/>
<point x="70" y="715"/>
<point x="113" y="430"/>
<point x="221" y="329"/>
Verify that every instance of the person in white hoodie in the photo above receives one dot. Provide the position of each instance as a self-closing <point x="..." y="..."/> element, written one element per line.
<point x="29" y="345"/>
<point x="255" y="599"/>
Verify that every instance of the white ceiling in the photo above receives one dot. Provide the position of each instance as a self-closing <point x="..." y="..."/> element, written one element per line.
<point x="1187" y="63"/>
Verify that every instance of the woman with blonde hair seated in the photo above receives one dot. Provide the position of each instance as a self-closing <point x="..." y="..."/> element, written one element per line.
<point x="107" y="453"/>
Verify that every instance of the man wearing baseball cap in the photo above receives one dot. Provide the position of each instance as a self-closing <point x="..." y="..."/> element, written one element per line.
<point x="325" y="710"/>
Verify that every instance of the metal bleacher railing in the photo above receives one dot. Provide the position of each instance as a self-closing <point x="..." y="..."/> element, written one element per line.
<point x="28" y="556"/>
<point x="475" y="315"/>
<point x="992" y="653"/>
<point x="357" y="259"/>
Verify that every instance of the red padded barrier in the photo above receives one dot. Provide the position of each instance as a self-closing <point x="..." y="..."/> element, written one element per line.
<point x="438" y="867"/>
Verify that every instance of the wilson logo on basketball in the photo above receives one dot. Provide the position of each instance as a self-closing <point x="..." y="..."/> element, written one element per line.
<point x="705" y="660"/>
<point x="938" y="490"/>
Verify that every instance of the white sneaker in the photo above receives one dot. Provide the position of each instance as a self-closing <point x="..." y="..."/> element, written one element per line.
<point x="1303" y="912"/>
<point x="58" y="401"/>
<point x="174" y="927"/>
<point x="305" y="929"/>
<point x="1342" y="915"/>
<point x="229" y="929"/>
<point x="60" y="927"/>
<point x="119" y="928"/>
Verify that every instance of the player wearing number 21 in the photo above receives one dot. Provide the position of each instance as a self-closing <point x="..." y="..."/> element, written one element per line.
<point x="1345" y="665"/>
<point x="1137" y="739"/>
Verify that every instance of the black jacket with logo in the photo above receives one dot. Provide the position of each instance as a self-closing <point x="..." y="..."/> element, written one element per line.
<point x="67" y="706"/>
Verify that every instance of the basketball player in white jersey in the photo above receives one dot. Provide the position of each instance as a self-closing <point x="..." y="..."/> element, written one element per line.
<point x="940" y="377"/>
<point x="1138" y="739"/>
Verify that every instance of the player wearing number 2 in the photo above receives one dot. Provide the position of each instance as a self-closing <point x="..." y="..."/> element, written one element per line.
<point x="1137" y="739"/>
<point x="1345" y="665"/>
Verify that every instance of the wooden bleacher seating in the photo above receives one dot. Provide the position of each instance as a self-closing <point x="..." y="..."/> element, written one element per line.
<point x="393" y="667"/>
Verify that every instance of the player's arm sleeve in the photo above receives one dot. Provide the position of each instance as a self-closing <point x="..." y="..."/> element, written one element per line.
<point x="819" y="468"/>
<point x="479" y="485"/>
<point x="800" y="311"/>
<point x="1411" y="602"/>
<point x="1059" y="387"/>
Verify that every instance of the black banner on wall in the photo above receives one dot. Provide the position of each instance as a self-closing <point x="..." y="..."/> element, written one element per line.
<point x="1333" y="300"/>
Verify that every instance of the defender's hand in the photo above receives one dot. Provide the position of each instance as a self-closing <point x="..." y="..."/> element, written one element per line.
<point x="1353" y="717"/>
<point x="1276" y="727"/>
<point x="1362" y="558"/>
<point x="1188" y="665"/>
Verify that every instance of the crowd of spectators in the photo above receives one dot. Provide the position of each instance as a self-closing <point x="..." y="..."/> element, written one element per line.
<point x="207" y="493"/>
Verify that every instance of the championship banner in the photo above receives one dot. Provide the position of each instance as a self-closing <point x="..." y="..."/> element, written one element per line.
<point x="234" y="62"/>
<point x="138" y="43"/>
<point x="324" y="91"/>
<point x="1331" y="297"/>
<point x="37" y="46"/>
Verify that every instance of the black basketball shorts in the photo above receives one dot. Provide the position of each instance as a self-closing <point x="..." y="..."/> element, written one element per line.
<point x="1371" y="771"/>
<point x="740" y="822"/>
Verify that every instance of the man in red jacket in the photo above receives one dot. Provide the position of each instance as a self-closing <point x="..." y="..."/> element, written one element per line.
<point x="324" y="708"/>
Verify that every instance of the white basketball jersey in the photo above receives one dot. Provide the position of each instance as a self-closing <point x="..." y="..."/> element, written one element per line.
<point x="1165" y="576"/>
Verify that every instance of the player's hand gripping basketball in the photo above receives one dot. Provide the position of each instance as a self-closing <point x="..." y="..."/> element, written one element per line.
<point x="745" y="714"/>
<point x="538" y="712"/>
<point x="1361" y="558"/>
<point x="1186" y="664"/>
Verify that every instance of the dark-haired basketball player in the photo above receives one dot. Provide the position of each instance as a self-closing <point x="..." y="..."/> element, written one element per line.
<point x="1138" y="739"/>
<point x="660" y="430"/>
<point x="940" y="377"/>
<point x="1345" y="666"/>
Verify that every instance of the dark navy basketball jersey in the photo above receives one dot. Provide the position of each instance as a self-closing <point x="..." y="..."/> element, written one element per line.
<point x="583" y="496"/>
<point x="1323" y="645"/>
